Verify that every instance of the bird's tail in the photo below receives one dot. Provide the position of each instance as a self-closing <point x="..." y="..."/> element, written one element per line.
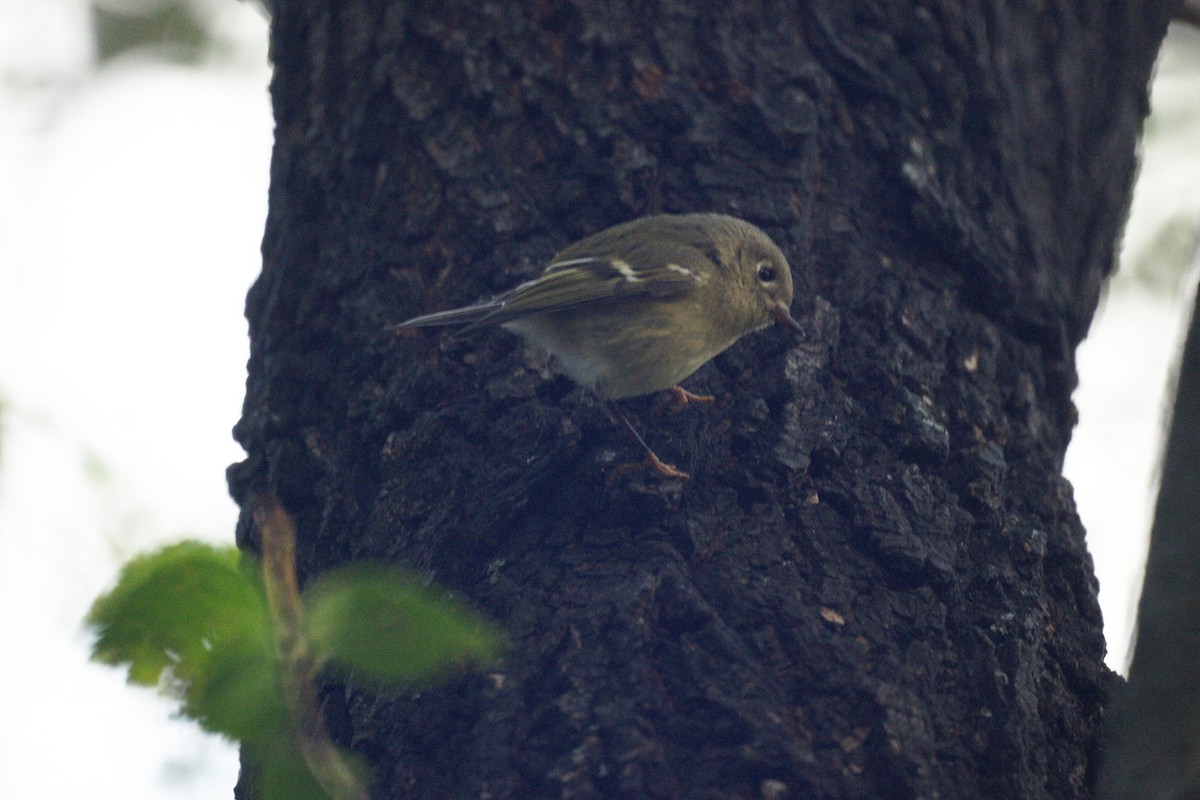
<point x="467" y="315"/>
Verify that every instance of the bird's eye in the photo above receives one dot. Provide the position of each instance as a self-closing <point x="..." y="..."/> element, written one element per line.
<point x="766" y="273"/>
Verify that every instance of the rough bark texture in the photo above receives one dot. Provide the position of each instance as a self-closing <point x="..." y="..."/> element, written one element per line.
<point x="876" y="584"/>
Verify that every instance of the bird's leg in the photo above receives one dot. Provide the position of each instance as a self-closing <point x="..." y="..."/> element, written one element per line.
<point x="680" y="397"/>
<point x="651" y="461"/>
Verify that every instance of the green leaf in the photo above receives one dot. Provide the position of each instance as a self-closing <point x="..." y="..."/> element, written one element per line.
<point x="386" y="628"/>
<point x="280" y="771"/>
<point x="192" y="619"/>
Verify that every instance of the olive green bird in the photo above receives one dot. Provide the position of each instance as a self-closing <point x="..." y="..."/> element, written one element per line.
<point x="640" y="306"/>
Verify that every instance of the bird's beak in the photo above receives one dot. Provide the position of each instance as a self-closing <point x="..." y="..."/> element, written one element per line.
<point x="783" y="316"/>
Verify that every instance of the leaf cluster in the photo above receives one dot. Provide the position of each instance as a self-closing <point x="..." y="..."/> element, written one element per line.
<point x="194" y="620"/>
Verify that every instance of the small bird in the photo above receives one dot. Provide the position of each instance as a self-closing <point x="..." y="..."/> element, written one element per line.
<point x="640" y="306"/>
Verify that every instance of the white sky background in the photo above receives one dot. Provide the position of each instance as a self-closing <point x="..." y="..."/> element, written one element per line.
<point x="1126" y="364"/>
<point x="132" y="206"/>
<point x="132" y="201"/>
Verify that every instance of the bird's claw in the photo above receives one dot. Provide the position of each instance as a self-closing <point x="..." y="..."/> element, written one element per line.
<point x="680" y="397"/>
<point x="650" y="462"/>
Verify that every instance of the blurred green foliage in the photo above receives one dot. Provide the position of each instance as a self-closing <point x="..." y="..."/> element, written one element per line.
<point x="194" y="620"/>
<point x="389" y="631"/>
<point x="177" y="28"/>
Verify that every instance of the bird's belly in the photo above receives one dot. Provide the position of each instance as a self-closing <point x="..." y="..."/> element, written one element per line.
<point x="613" y="361"/>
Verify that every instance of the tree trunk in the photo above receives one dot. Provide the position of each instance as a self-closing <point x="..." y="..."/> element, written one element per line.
<point x="875" y="584"/>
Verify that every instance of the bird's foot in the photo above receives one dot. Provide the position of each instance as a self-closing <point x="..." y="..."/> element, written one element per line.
<point x="680" y="397"/>
<point x="651" y="462"/>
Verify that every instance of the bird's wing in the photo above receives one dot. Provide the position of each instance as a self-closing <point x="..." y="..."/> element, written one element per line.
<point x="569" y="283"/>
<point x="586" y="280"/>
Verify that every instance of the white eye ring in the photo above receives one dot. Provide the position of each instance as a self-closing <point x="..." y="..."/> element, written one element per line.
<point x="766" y="272"/>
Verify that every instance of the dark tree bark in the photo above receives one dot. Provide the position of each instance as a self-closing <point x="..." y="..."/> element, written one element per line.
<point x="875" y="584"/>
